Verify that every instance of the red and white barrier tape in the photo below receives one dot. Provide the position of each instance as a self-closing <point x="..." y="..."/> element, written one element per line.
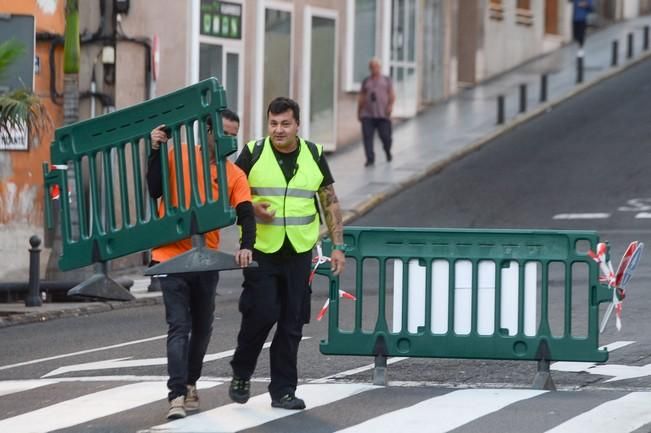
<point x="317" y="261"/>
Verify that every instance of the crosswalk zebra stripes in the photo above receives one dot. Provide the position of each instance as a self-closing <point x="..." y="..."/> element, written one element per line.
<point x="332" y="407"/>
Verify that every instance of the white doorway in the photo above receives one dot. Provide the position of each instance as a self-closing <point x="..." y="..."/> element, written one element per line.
<point x="319" y="83"/>
<point x="402" y="63"/>
<point x="432" y="87"/>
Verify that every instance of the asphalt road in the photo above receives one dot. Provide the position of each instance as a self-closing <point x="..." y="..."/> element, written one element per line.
<point x="587" y="156"/>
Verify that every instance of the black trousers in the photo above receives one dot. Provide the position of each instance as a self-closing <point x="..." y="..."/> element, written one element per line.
<point x="578" y="31"/>
<point x="189" y="312"/>
<point x="383" y="126"/>
<point x="277" y="292"/>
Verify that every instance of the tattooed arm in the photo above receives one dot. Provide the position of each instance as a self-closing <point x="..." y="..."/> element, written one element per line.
<point x="334" y="221"/>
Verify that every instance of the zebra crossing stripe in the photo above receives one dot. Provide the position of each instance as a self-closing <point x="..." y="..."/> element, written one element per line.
<point x="235" y="417"/>
<point x="445" y="412"/>
<point x="625" y="414"/>
<point x="88" y="407"/>
<point x="12" y="386"/>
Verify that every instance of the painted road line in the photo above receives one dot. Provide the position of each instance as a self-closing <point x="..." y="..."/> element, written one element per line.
<point x="82" y="352"/>
<point x="131" y="363"/>
<point x="626" y="414"/>
<point x="235" y="417"/>
<point x="434" y="415"/>
<point x="581" y="216"/>
<point x="643" y="215"/>
<point x="88" y="407"/>
<point x="12" y="386"/>
<point x="576" y="367"/>
<point x="355" y="370"/>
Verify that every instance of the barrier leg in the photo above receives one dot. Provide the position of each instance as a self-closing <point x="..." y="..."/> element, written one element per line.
<point x="198" y="259"/>
<point x="101" y="286"/>
<point x="543" y="379"/>
<point x="380" y="370"/>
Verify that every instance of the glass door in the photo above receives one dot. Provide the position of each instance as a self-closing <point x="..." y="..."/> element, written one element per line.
<point x="403" y="56"/>
<point x="223" y="64"/>
<point x="432" y="64"/>
<point x="320" y="72"/>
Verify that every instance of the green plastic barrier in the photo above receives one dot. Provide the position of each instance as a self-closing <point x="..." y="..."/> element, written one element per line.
<point x="468" y="293"/>
<point x="99" y="165"/>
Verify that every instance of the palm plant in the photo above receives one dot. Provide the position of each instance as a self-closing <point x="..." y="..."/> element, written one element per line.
<point x="20" y="107"/>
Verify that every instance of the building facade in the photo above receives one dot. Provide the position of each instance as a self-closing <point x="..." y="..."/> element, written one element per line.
<point x="314" y="51"/>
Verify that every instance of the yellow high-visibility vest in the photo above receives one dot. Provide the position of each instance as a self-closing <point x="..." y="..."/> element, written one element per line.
<point x="294" y="201"/>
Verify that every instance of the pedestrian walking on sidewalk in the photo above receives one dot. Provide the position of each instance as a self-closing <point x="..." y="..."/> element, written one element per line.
<point x="374" y="108"/>
<point x="580" y="11"/>
<point x="190" y="298"/>
<point x="286" y="174"/>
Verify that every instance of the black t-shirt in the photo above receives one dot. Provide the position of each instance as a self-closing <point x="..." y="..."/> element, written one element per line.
<point x="287" y="163"/>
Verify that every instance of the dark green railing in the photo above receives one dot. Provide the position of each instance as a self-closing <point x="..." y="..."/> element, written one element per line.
<point x="476" y="294"/>
<point x="106" y="211"/>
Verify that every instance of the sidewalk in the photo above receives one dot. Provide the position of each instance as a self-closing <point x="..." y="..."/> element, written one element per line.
<point x="422" y="145"/>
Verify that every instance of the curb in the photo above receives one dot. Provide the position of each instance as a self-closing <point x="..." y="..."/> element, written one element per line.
<point x="378" y="198"/>
<point x="91" y="308"/>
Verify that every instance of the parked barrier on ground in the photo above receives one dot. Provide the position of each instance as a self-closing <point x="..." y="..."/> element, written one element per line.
<point x="99" y="167"/>
<point x="476" y="294"/>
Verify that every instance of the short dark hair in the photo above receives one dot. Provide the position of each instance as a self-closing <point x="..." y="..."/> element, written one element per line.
<point x="226" y="114"/>
<point x="230" y="115"/>
<point x="282" y="104"/>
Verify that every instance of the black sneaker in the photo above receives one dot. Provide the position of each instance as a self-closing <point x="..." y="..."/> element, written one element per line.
<point x="288" y="401"/>
<point x="240" y="390"/>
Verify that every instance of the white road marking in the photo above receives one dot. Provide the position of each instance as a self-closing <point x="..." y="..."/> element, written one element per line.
<point x="625" y="414"/>
<point x="355" y="370"/>
<point x="235" y="417"/>
<point x="619" y="372"/>
<point x="444" y="413"/>
<point x="643" y="215"/>
<point x="581" y="216"/>
<point x="81" y="352"/>
<point x="11" y="386"/>
<point x="88" y="407"/>
<point x="130" y="363"/>
<point x="577" y="367"/>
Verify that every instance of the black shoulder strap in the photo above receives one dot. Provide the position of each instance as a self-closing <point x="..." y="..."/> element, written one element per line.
<point x="259" y="145"/>
<point x="257" y="151"/>
<point x="314" y="150"/>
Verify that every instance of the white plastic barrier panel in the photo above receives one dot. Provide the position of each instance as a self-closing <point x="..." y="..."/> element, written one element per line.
<point x="463" y="297"/>
<point x="510" y="298"/>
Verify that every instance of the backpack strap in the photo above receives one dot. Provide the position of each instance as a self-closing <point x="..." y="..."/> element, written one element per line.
<point x="257" y="151"/>
<point x="259" y="146"/>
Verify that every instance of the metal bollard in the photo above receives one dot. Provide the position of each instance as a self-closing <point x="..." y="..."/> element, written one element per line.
<point x="579" y="70"/>
<point x="615" y="59"/>
<point x="629" y="49"/>
<point x="543" y="88"/>
<point x="500" y="109"/>
<point x="33" y="298"/>
<point x="523" y="98"/>
<point x="645" y="43"/>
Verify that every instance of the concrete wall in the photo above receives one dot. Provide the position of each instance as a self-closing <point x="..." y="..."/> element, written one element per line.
<point x="170" y="20"/>
<point x="512" y="37"/>
<point x="21" y="175"/>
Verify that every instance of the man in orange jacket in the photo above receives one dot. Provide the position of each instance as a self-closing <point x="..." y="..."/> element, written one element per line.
<point x="190" y="298"/>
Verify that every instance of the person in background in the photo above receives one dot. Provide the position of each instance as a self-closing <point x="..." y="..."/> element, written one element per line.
<point x="286" y="174"/>
<point x="580" y="11"/>
<point x="374" y="108"/>
<point x="190" y="298"/>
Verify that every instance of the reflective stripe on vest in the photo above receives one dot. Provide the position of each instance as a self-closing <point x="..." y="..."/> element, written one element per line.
<point x="293" y="203"/>
<point x="289" y="192"/>
<point x="288" y="221"/>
